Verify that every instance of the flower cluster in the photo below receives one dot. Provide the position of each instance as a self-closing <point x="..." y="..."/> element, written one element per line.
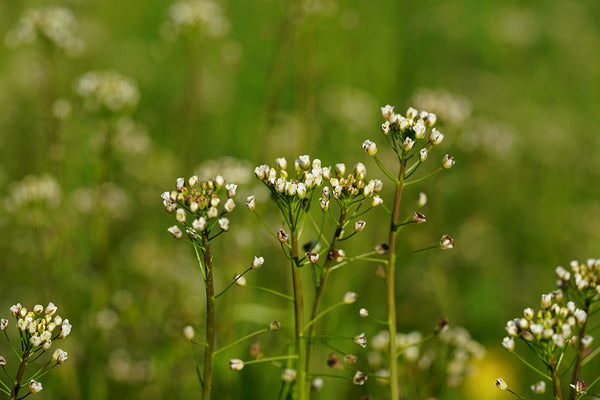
<point x="54" y="24"/>
<point x="350" y="187"/>
<point x="203" y="15"/>
<point x="32" y="197"/>
<point x="583" y="278"/>
<point x="403" y="133"/>
<point x="198" y="206"/>
<point x="552" y="328"/>
<point x="108" y="90"/>
<point x="297" y="186"/>
<point x="39" y="327"/>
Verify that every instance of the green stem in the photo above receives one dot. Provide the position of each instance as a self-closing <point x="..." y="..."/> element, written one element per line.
<point x="313" y="321"/>
<point x="548" y="377"/>
<point x="222" y="292"/>
<point x="298" y="316"/>
<point x="423" y="178"/>
<point x="391" y="286"/>
<point x="19" y="377"/>
<point x="269" y="359"/>
<point x="386" y="171"/>
<point x="579" y="357"/>
<point x="210" y="319"/>
<point x="555" y="380"/>
<point x="240" y="340"/>
<point x="276" y="293"/>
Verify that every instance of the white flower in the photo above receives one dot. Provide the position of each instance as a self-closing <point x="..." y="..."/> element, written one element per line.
<point x="193" y="181"/>
<point x="539" y="387"/>
<point x="60" y="356"/>
<point x="281" y="163"/>
<point x="546" y="300"/>
<point x="408" y="144"/>
<point x="224" y="224"/>
<point x="448" y="161"/>
<point x="435" y="137"/>
<point x="229" y="205"/>
<point x="189" y="333"/>
<point x="363" y="312"/>
<point x="419" y="129"/>
<point x="3" y="324"/>
<point x="236" y="364"/>
<point x="251" y="203"/>
<point x="239" y="280"/>
<point x="289" y="375"/>
<point x="580" y="315"/>
<point x="199" y="224"/>
<point x="219" y="181"/>
<point x="387" y="111"/>
<point x="376" y="201"/>
<point x="586" y="340"/>
<point x="359" y="226"/>
<point x="370" y="147"/>
<point x="180" y="215"/>
<point x="359" y="378"/>
<point x="360" y="340"/>
<point x="16" y="309"/>
<point x="500" y="384"/>
<point x="508" y="343"/>
<point x="350" y="297"/>
<point x="231" y="189"/>
<point x="312" y="257"/>
<point x="175" y="231"/>
<point x="258" y="261"/>
<point x="411" y="113"/>
<point x="528" y="313"/>
<point x="34" y="386"/>
<point x="212" y="212"/>
<point x="65" y="329"/>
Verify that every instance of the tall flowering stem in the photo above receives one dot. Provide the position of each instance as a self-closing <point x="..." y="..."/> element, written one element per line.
<point x="403" y="133"/>
<point x="210" y="317"/>
<point x="199" y="210"/>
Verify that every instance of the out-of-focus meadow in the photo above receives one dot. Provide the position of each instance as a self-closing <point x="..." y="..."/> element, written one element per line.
<point x="515" y="85"/>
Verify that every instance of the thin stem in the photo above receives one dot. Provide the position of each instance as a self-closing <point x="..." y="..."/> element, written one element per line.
<point x="269" y="359"/>
<point x="555" y="380"/>
<point x="210" y="319"/>
<point x="313" y="321"/>
<point x="276" y="293"/>
<point x="240" y="340"/>
<point x="298" y="315"/>
<point x="579" y="357"/>
<point x="546" y="376"/>
<point x="391" y="286"/>
<point x="386" y="171"/>
<point x="589" y="387"/>
<point x="19" y="377"/>
<point x="423" y="178"/>
<point x="239" y="276"/>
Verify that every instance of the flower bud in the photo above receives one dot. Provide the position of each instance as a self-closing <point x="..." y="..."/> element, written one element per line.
<point x="359" y="226"/>
<point x="35" y="387"/>
<point x="500" y="384"/>
<point x="312" y="257"/>
<point x="239" y="280"/>
<point x="376" y="201"/>
<point x="411" y="113"/>
<point x="446" y="242"/>
<point x="236" y="364"/>
<point x="418" y="218"/>
<point x="385" y="127"/>
<point x="360" y="340"/>
<point x="539" y="387"/>
<point x="508" y="343"/>
<point x="363" y="312"/>
<point x="175" y="231"/>
<point x="274" y="325"/>
<point x="180" y="183"/>
<point x="251" y="203"/>
<point x="408" y="144"/>
<point x="38" y="308"/>
<point x="2" y="361"/>
<point x="387" y="112"/>
<point x="3" y="324"/>
<point x="370" y="147"/>
<point x="546" y="300"/>
<point x="60" y="356"/>
<point x="340" y="169"/>
<point x="350" y="297"/>
<point x="359" y="378"/>
<point x="282" y="236"/>
<point x="448" y="161"/>
<point x="189" y="333"/>
<point x="423" y="155"/>
<point x="258" y="261"/>
<point x="419" y="129"/>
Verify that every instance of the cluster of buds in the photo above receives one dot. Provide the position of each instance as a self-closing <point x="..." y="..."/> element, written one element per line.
<point x="39" y="327"/>
<point x="296" y="186"/>
<point x="197" y="15"/>
<point x="553" y="327"/>
<point x="581" y="277"/>
<point x="109" y="90"/>
<point x="405" y="131"/>
<point x="198" y="206"/>
<point x="349" y="187"/>
<point x="55" y="25"/>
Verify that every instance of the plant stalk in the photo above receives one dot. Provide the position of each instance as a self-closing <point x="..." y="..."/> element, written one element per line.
<point x="19" y="377"/>
<point x="210" y="318"/>
<point x="579" y="359"/>
<point x="391" y="286"/>
<point x="555" y="380"/>
<point x="299" y="317"/>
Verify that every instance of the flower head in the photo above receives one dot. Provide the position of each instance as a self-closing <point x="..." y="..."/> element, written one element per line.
<point x="500" y="384"/>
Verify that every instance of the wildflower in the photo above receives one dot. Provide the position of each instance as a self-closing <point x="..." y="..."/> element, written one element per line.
<point x="199" y="224"/>
<point x="408" y="144"/>
<point x="363" y="312"/>
<point x="338" y="254"/>
<point x="193" y="181"/>
<point x="435" y="137"/>
<point x="224" y="224"/>
<point x="274" y="325"/>
<point x="38" y="308"/>
<point x="3" y="324"/>
<point x="419" y="129"/>
<point x="359" y="226"/>
<point x="370" y="147"/>
<point x="385" y="127"/>
<point x="387" y="112"/>
<point x="2" y="361"/>
<point x="586" y="340"/>
<point x="189" y="333"/>
<point x="360" y="340"/>
<point x="60" y="356"/>
<point x="539" y="387"/>
<point x="324" y="204"/>
<point x="65" y="329"/>
<point x="579" y="386"/>
<point x="376" y="201"/>
<point x="16" y="309"/>
<point x="231" y="189"/>
<point x="423" y="154"/>
<point x="340" y="169"/>
<point x="508" y="343"/>
<point x="283" y="237"/>
<point x="175" y="231"/>
<point x="446" y="242"/>
<point x="359" y="378"/>
<point x="239" y="280"/>
<point x="236" y="364"/>
<point x="34" y="386"/>
<point x="350" y="297"/>
<point x="229" y="205"/>
<point x="180" y="215"/>
<point x="418" y="217"/>
<point x="317" y="383"/>
<point x="350" y="359"/>
<point x="312" y="257"/>
<point x="448" y="161"/>
<point x="500" y="384"/>
<point x="108" y="89"/>
<point x="251" y="203"/>
<point x="528" y="313"/>
<point x="546" y="300"/>
<point x="289" y="375"/>
<point x="580" y="315"/>
<point x="258" y="261"/>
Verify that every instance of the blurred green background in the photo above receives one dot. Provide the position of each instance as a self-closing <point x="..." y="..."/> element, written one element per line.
<point x="516" y="87"/>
